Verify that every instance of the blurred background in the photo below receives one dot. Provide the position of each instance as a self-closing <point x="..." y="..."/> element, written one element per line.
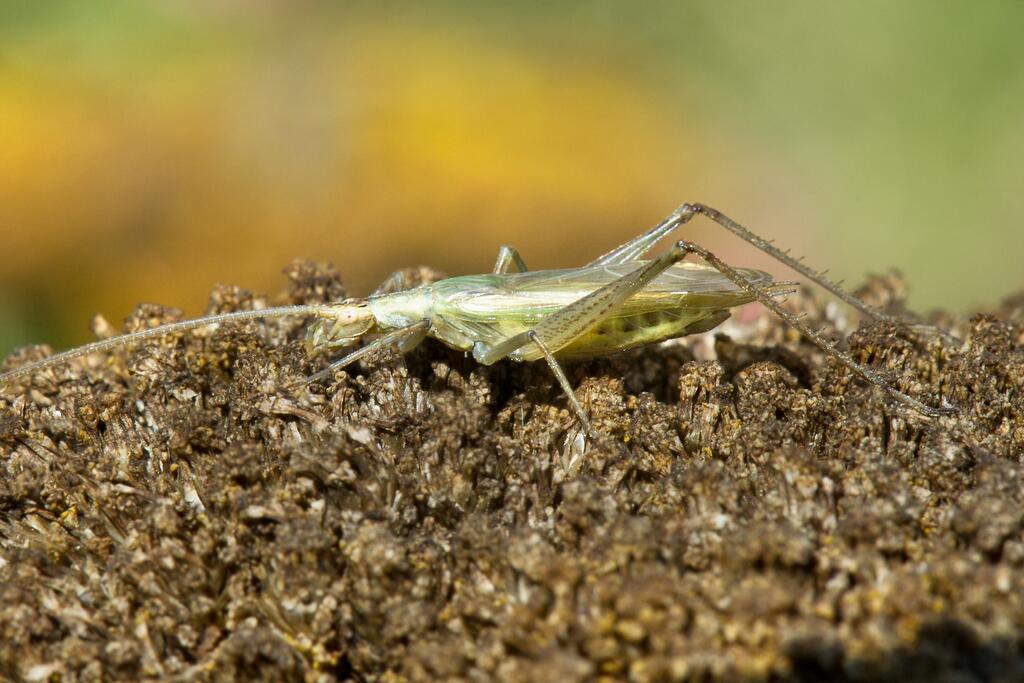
<point x="151" y="149"/>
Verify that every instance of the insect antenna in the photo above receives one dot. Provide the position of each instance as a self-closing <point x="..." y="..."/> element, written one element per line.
<point x="159" y="331"/>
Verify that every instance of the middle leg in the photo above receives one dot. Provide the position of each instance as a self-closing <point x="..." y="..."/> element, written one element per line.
<point x="506" y="257"/>
<point x="394" y="283"/>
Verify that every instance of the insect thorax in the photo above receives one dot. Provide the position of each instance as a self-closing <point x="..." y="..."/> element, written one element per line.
<point x="400" y="309"/>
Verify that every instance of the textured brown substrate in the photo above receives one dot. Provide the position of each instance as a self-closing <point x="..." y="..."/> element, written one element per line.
<point x="186" y="509"/>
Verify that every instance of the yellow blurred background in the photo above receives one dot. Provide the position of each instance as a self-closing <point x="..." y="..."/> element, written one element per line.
<point x="149" y="150"/>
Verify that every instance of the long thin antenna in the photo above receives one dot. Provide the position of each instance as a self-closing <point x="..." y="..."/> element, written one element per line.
<point x="159" y="331"/>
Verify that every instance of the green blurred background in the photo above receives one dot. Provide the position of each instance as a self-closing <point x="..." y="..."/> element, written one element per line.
<point x="149" y="150"/>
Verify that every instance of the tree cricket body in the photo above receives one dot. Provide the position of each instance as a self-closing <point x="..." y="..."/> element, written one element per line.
<point x="616" y="302"/>
<point x="472" y="310"/>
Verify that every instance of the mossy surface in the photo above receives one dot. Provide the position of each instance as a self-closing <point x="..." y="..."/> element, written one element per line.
<point x="189" y="510"/>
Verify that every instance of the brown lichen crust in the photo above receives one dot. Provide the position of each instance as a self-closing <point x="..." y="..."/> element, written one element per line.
<point x="189" y="510"/>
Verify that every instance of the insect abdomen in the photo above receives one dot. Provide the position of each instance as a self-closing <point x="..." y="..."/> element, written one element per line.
<point x="624" y="332"/>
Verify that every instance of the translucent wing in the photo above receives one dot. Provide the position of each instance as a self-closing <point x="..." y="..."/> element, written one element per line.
<point x="490" y="308"/>
<point x="686" y="276"/>
<point x="686" y="285"/>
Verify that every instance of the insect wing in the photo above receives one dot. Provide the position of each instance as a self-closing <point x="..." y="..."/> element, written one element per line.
<point x="684" y="285"/>
<point x="493" y="308"/>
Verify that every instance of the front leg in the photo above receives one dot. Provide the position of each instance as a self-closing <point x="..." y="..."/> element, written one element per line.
<point x="405" y="338"/>
<point x="394" y="283"/>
